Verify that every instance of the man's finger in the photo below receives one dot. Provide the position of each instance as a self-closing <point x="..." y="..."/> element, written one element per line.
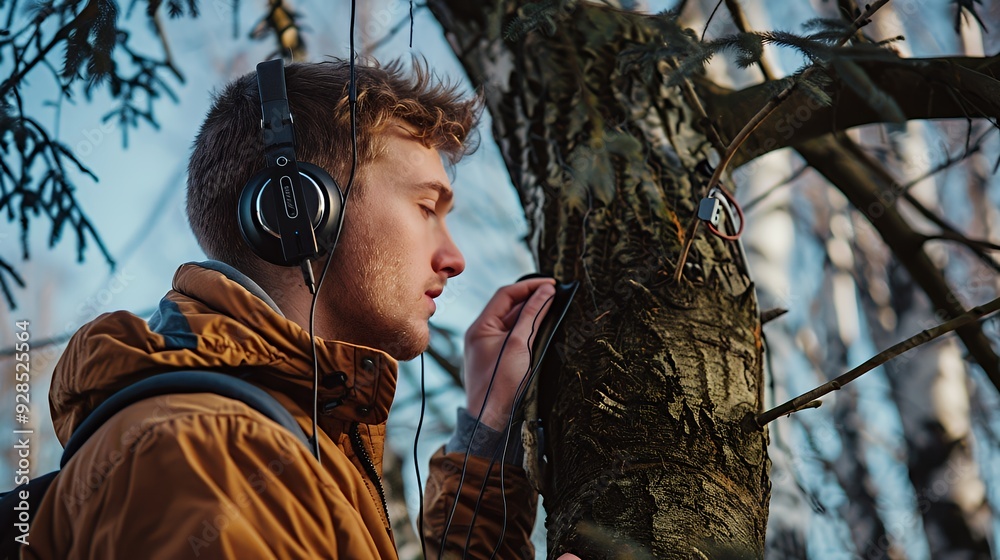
<point x="510" y="318"/>
<point x="508" y="297"/>
<point x="535" y="310"/>
<point x="524" y="314"/>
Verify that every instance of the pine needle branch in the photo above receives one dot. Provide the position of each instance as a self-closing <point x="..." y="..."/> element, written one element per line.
<point x="759" y="118"/>
<point x="778" y="99"/>
<point x="37" y="169"/>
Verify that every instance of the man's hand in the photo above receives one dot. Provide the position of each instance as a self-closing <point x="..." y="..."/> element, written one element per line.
<point x="513" y="310"/>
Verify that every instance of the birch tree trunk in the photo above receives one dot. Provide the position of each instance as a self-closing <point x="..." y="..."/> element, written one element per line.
<point x="644" y="413"/>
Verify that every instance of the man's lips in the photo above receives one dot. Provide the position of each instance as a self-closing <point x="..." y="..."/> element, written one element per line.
<point x="431" y="294"/>
<point x="434" y="293"/>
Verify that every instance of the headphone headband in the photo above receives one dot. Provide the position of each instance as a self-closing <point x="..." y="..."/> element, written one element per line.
<point x="276" y="117"/>
<point x="294" y="225"/>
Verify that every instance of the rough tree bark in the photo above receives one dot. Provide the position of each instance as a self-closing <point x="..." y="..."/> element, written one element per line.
<point x="606" y="164"/>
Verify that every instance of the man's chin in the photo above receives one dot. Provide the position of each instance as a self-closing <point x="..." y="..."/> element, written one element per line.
<point x="405" y="355"/>
<point x="409" y="344"/>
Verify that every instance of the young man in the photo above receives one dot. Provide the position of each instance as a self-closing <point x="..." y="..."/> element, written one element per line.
<point x="203" y="476"/>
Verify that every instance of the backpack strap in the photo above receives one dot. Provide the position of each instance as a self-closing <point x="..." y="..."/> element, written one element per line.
<point x="183" y="382"/>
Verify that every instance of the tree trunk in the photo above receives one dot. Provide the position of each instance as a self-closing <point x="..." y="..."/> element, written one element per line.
<point x="644" y="411"/>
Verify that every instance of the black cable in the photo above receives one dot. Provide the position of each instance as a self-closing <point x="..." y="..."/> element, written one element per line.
<point x="710" y="18"/>
<point x="522" y="387"/>
<point x="518" y="403"/>
<point x="465" y="462"/>
<point x="352" y="99"/>
<point x="416" y="462"/>
<point x="502" y="447"/>
<point x="479" y="500"/>
<point x="353" y="104"/>
<point x="411" y="24"/>
<point x="312" y="328"/>
<point x="314" y="438"/>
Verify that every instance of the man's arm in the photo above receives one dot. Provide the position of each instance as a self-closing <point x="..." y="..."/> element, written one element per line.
<point x="463" y="490"/>
<point x="479" y="506"/>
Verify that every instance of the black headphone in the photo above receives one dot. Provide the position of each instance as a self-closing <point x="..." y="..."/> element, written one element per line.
<point x="289" y="205"/>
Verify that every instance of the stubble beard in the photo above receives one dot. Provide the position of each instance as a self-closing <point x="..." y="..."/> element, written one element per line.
<point x="371" y="313"/>
<point x="389" y="330"/>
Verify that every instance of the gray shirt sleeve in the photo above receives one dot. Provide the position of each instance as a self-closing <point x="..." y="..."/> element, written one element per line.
<point x="487" y="441"/>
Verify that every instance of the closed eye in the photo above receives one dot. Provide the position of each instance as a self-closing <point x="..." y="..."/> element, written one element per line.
<point x="428" y="211"/>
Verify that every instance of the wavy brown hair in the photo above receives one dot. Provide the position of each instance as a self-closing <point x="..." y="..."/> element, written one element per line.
<point x="229" y="147"/>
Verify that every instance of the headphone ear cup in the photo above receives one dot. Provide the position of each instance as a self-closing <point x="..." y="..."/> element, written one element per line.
<point x="324" y="203"/>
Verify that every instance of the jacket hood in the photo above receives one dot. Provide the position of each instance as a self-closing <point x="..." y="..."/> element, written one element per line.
<point x="215" y="318"/>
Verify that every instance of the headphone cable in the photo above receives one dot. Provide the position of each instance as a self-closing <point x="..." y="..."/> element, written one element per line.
<point x="353" y="104"/>
<point x="416" y="462"/>
<point x="501" y="449"/>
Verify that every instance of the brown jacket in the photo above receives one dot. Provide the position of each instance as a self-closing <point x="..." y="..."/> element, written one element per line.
<point x="202" y="476"/>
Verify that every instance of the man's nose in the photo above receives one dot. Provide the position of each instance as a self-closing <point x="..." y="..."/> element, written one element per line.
<point x="449" y="258"/>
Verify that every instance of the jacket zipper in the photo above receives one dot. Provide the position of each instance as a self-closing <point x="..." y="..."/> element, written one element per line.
<point x="369" y="466"/>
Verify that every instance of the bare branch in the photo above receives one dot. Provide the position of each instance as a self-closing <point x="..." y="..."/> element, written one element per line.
<point x="949" y="232"/>
<point x="958" y="237"/>
<point x="805" y="400"/>
<point x="769" y="315"/>
<point x="773" y="188"/>
<point x="950" y="160"/>
<point x="9" y="270"/>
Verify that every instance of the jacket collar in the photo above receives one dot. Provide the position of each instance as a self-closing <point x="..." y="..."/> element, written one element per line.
<point x="356" y="383"/>
<point x="217" y="318"/>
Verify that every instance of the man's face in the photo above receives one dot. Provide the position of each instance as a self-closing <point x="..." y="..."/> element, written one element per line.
<point x="395" y="253"/>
